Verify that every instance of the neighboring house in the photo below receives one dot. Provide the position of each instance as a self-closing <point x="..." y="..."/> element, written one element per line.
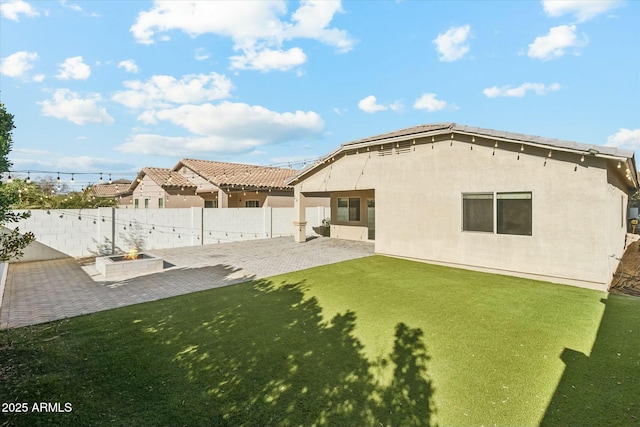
<point x="480" y="199"/>
<point x="163" y="188"/>
<point x="118" y="190"/>
<point x="235" y="185"/>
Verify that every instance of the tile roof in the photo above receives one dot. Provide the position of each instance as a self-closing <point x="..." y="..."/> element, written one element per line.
<point x="539" y="140"/>
<point x="224" y="174"/>
<point x="117" y="188"/>
<point x="164" y="177"/>
<point x="408" y="132"/>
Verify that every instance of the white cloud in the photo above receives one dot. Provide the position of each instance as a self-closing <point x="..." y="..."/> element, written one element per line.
<point x="68" y="105"/>
<point x="162" y="91"/>
<point x="311" y="21"/>
<point x="452" y="45"/>
<point x="241" y="119"/>
<point x="625" y="138"/>
<point x="520" y="91"/>
<point x="17" y="64"/>
<point x="582" y="9"/>
<point x="237" y="128"/>
<point x="13" y="8"/>
<point x="269" y="59"/>
<point x="201" y="54"/>
<point x="182" y="146"/>
<point x="38" y="78"/>
<point x="555" y="43"/>
<point x="26" y="158"/>
<point x="257" y="29"/>
<point x="129" y="66"/>
<point x="370" y="105"/>
<point x="74" y="68"/>
<point x="73" y="7"/>
<point x="429" y="102"/>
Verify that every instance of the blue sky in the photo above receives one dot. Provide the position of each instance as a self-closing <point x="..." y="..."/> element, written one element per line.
<point x="113" y="86"/>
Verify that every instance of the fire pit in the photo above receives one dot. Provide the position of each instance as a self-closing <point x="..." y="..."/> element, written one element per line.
<point x="130" y="264"/>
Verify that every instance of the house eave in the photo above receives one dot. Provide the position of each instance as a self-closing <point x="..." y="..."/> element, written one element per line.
<point x="608" y="153"/>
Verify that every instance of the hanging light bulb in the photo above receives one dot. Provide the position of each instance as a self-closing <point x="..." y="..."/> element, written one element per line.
<point x="58" y="178"/>
<point x="522" y="147"/>
<point x="29" y="175"/>
<point x="619" y="164"/>
<point x="549" y="155"/>
<point x="72" y="179"/>
<point x="101" y="180"/>
<point x="582" y="158"/>
<point x="9" y="179"/>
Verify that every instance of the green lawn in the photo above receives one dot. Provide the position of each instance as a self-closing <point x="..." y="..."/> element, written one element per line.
<point x="374" y="341"/>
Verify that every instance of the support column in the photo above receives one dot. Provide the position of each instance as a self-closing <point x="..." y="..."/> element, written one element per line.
<point x="223" y="199"/>
<point x="299" y="214"/>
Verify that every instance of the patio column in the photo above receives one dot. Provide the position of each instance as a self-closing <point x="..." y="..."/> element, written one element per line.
<point x="223" y="199"/>
<point x="299" y="214"/>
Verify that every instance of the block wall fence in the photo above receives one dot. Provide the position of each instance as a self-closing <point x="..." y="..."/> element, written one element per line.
<point x="93" y="232"/>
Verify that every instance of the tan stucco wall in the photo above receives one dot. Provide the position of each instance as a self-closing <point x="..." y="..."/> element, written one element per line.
<point x="173" y="198"/>
<point x="576" y="219"/>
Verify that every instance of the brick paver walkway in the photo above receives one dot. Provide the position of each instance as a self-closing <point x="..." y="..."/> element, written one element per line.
<point x="38" y="292"/>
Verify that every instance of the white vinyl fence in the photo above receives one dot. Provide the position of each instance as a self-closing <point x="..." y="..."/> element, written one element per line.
<point x="90" y="232"/>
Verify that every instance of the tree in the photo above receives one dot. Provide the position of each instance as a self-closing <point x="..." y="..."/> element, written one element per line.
<point x="12" y="243"/>
<point x="46" y="193"/>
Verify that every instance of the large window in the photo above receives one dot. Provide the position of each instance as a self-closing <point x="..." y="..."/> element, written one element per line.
<point x="161" y="202"/>
<point x="511" y="213"/>
<point x="252" y="204"/>
<point x="514" y="213"/>
<point x="348" y="209"/>
<point x="146" y="203"/>
<point x="477" y="212"/>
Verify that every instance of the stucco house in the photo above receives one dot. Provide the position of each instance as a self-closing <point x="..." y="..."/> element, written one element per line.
<point x="480" y="199"/>
<point x="162" y="188"/>
<point x="118" y="190"/>
<point x="235" y="185"/>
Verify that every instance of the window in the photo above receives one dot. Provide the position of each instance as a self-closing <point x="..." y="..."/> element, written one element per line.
<point x="477" y="212"/>
<point x="348" y="209"/>
<point x="514" y="213"/>
<point x="252" y="204"/>
<point x="136" y="203"/>
<point x="146" y="203"/>
<point x="161" y="202"/>
<point x="210" y="203"/>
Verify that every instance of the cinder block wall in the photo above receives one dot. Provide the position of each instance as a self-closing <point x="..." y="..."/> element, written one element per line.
<point x="91" y="232"/>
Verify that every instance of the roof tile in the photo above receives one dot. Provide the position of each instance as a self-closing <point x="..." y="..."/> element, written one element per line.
<point x="224" y="174"/>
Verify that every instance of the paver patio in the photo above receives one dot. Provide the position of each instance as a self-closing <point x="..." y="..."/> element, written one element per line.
<point x="43" y="291"/>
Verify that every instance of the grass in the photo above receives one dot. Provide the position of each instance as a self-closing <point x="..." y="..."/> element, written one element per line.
<point x="374" y="341"/>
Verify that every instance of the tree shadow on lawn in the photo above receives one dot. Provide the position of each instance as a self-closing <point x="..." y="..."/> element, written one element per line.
<point x="266" y="356"/>
<point x="602" y="388"/>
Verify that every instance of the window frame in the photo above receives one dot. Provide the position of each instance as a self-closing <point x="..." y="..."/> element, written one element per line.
<point x="496" y="213"/>
<point x="478" y="196"/>
<point x="529" y="215"/>
<point x="353" y="207"/>
<point x="247" y="202"/>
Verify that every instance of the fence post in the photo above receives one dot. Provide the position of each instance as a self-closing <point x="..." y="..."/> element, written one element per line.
<point x="267" y="223"/>
<point x="106" y="228"/>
